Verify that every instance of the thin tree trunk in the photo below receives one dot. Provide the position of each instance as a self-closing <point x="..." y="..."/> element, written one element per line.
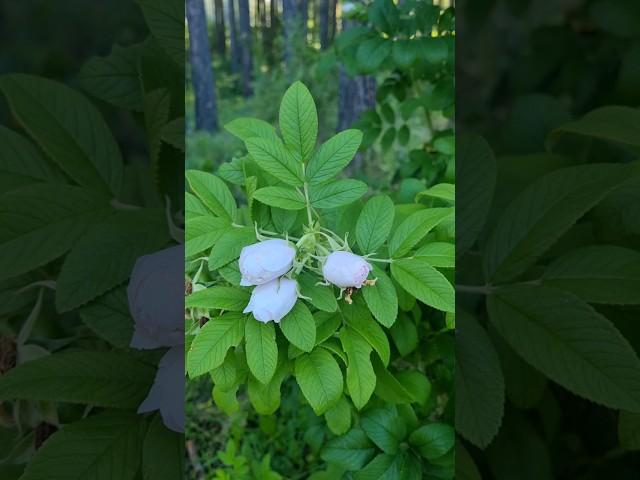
<point x="289" y="15"/>
<point x="355" y="96"/>
<point x="303" y="12"/>
<point x="333" y="14"/>
<point x="201" y="69"/>
<point x="233" y="37"/>
<point x="221" y="34"/>
<point x="245" y="41"/>
<point x="323" y="15"/>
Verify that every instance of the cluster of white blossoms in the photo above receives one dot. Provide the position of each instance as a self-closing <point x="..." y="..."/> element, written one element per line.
<point x="265" y="264"/>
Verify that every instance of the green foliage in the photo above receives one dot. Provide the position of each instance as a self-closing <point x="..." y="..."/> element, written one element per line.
<point x="547" y="258"/>
<point x="350" y="357"/>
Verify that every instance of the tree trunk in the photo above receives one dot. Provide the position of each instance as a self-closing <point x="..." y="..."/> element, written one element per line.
<point x="233" y="37"/>
<point x="333" y="14"/>
<point x="289" y="15"/>
<point x="355" y="96"/>
<point x="303" y="17"/>
<point x="245" y="41"/>
<point x="201" y="69"/>
<point x="221" y="34"/>
<point x="323" y="15"/>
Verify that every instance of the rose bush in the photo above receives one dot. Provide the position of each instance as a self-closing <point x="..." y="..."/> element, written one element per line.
<point x="306" y="279"/>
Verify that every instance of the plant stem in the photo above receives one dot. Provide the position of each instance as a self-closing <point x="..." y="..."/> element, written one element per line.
<point x="306" y="197"/>
<point x="383" y="260"/>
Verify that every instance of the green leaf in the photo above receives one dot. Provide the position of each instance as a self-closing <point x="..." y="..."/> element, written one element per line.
<point x="107" y="445"/>
<point x="246" y="128"/>
<point x="219" y="298"/>
<point x="614" y="123"/>
<point x="107" y="254"/>
<point x="465" y="467"/>
<point x="42" y="222"/>
<point x="476" y="184"/>
<point x="68" y="128"/>
<point x="326" y="325"/>
<point x="333" y="156"/>
<point x="261" y="349"/>
<point x="405" y="335"/>
<point x="213" y="192"/>
<point x="425" y="283"/>
<point x="103" y="379"/>
<point x="115" y="78"/>
<point x="382" y="298"/>
<point x="322" y="297"/>
<point x="438" y="254"/>
<point x="274" y="158"/>
<point x="545" y="210"/>
<point x="414" y="228"/>
<point x="372" y="53"/>
<point x="598" y="274"/>
<point x="202" y="232"/>
<point x="338" y="417"/>
<point x="384" y="428"/>
<point x="229" y="246"/>
<point x="162" y="452"/>
<point x="193" y="207"/>
<point x="265" y="398"/>
<point x="21" y="163"/>
<point x="374" y="223"/>
<point x="479" y="383"/>
<point x="166" y="22"/>
<point x="299" y="327"/>
<point x="418" y="386"/>
<point x="336" y="194"/>
<point x="226" y="400"/>
<point x="351" y="451"/>
<point x="403" y="53"/>
<point x="299" y="121"/>
<point x="225" y="377"/>
<point x="441" y="191"/>
<point x="629" y="430"/>
<point x="359" y="319"/>
<point x="281" y="197"/>
<point x="361" y="379"/>
<point x="172" y="133"/>
<point x="385" y="16"/>
<point x="210" y="346"/>
<point x="109" y="318"/>
<point x="433" y="440"/>
<point x="320" y="379"/>
<point x="388" y="388"/>
<point x="569" y="342"/>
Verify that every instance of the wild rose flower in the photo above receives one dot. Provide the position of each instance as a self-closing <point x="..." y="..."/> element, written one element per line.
<point x="264" y="261"/>
<point x="273" y="300"/>
<point x="156" y="299"/>
<point x="345" y="269"/>
<point x="167" y="392"/>
<point x="156" y="303"/>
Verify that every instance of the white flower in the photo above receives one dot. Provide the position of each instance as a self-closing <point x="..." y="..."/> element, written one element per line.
<point x="345" y="269"/>
<point x="156" y="303"/>
<point x="167" y="392"/>
<point x="156" y="299"/>
<point x="273" y="300"/>
<point x="264" y="261"/>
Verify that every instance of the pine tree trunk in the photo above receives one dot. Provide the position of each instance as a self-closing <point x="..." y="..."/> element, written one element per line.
<point x="245" y="41"/>
<point x="333" y="19"/>
<point x="355" y="96"/>
<point x="233" y="37"/>
<point x="221" y="34"/>
<point x="303" y="16"/>
<point x="323" y="15"/>
<point x="201" y="69"/>
<point x="289" y="15"/>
